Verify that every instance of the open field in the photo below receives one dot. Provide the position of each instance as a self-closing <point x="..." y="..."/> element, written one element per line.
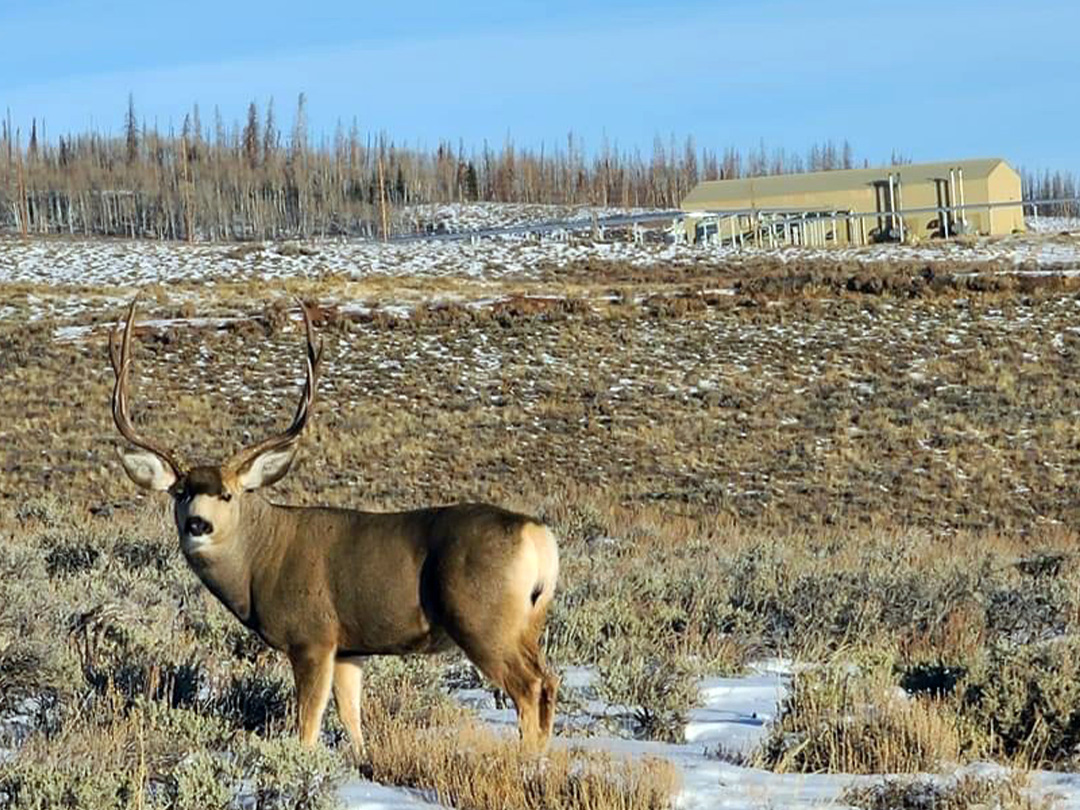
<point x="866" y="462"/>
<point x="780" y="390"/>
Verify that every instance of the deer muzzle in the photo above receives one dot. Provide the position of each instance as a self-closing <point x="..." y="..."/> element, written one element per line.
<point x="196" y="526"/>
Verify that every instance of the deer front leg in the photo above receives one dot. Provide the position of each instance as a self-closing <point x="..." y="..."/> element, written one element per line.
<point x="313" y="670"/>
<point x="348" y="681"/>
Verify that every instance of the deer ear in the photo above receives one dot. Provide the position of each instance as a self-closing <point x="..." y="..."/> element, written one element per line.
<point x="147" y="469"/>
<point x="267" y="468"/>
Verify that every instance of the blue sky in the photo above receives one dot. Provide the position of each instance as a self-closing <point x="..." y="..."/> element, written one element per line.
<point x="934" y="80"/>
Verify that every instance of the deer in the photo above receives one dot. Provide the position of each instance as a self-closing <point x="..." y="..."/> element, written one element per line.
<point x="330" y="586"/>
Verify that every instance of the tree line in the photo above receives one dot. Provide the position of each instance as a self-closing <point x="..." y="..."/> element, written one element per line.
<point x="1047" y="185"/>
<point x="250" y="180"/>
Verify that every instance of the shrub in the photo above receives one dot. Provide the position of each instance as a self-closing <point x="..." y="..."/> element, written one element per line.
<point x="70" y="557"/>
<point x="287" y="776"/>
<point x="839" y="719"/>
<point x="76" y="785"/>
<point x="659" y="688"/>
<point x="258" y="700"/>
<point x="200" y="779"/>
<point x="965" y="791"/>
<point x="163" y="757"/>
<point x="1026" y="699"/>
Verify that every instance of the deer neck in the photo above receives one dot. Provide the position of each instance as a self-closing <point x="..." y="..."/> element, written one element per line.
<point x="231" y="568"/>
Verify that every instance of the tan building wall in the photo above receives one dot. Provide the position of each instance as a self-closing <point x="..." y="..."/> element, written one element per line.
<point x="861" y="191"/>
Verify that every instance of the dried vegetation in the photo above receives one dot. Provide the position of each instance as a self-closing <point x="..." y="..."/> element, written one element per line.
<point x="877" y="474"/>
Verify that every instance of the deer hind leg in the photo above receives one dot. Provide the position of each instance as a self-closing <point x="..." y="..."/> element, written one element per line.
<point x="313" y="670"/>
<point x="549" y="690"/>
<point x="519" y="671"/>
<point x="531" y="684"/>
<point x="512" y="672"/>
<point x="523" y="681"/>
<point x="549" y="682"/>
<point x="348" y="681"/>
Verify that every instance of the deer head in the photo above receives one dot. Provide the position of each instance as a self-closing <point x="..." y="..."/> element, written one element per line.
<point x="208" y="499"/>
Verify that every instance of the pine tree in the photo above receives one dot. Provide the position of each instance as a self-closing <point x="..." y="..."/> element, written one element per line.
<point x="131" y="131"/>
<point x="270" y="134"/>
<point x="299" y="133"/>
<point x="250" y="138"/>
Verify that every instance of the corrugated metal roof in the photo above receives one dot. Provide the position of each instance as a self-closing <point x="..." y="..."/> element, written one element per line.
<point x="714" y="193"/>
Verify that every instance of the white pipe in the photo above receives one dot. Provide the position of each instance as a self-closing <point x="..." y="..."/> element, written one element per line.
<point x="900" y="203"/>
<point x="892" y="204"/>
<point x="952" y="194"/>
<point x="960" y="183"/>
<point x="880" y="202"/>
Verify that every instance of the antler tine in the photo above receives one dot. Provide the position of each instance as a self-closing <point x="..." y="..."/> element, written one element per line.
<point x="313" y="358"/>
<point x="121" y="363"/>
<point x="114" y="350"/>
<point x="303" y="409"/>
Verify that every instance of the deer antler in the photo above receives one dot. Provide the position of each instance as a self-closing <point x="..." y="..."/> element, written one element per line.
<point x="303" y="409"/>
<point x="121" y="363"/>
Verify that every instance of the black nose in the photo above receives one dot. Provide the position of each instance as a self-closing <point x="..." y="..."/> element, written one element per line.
<point x="196" y="526"/>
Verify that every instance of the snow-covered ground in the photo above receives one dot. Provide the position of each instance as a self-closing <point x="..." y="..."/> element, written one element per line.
<point x="123" y="263"/>
<point x="1053" y="224"/>
<point x="726" y="728"/>
<point x="461" y="217"/>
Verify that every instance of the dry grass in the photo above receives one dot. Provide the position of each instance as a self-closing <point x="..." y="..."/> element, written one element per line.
<point x="839" y="720"/>
<point x="774" y="410"/>
<point x="1016" y="703"/>
<point x="465" y="765"/>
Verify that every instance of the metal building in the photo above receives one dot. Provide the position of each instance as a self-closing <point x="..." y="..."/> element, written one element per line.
<point x="856" y="206"/>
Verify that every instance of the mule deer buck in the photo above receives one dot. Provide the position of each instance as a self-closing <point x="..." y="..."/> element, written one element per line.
<point x="330" y="586"/>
